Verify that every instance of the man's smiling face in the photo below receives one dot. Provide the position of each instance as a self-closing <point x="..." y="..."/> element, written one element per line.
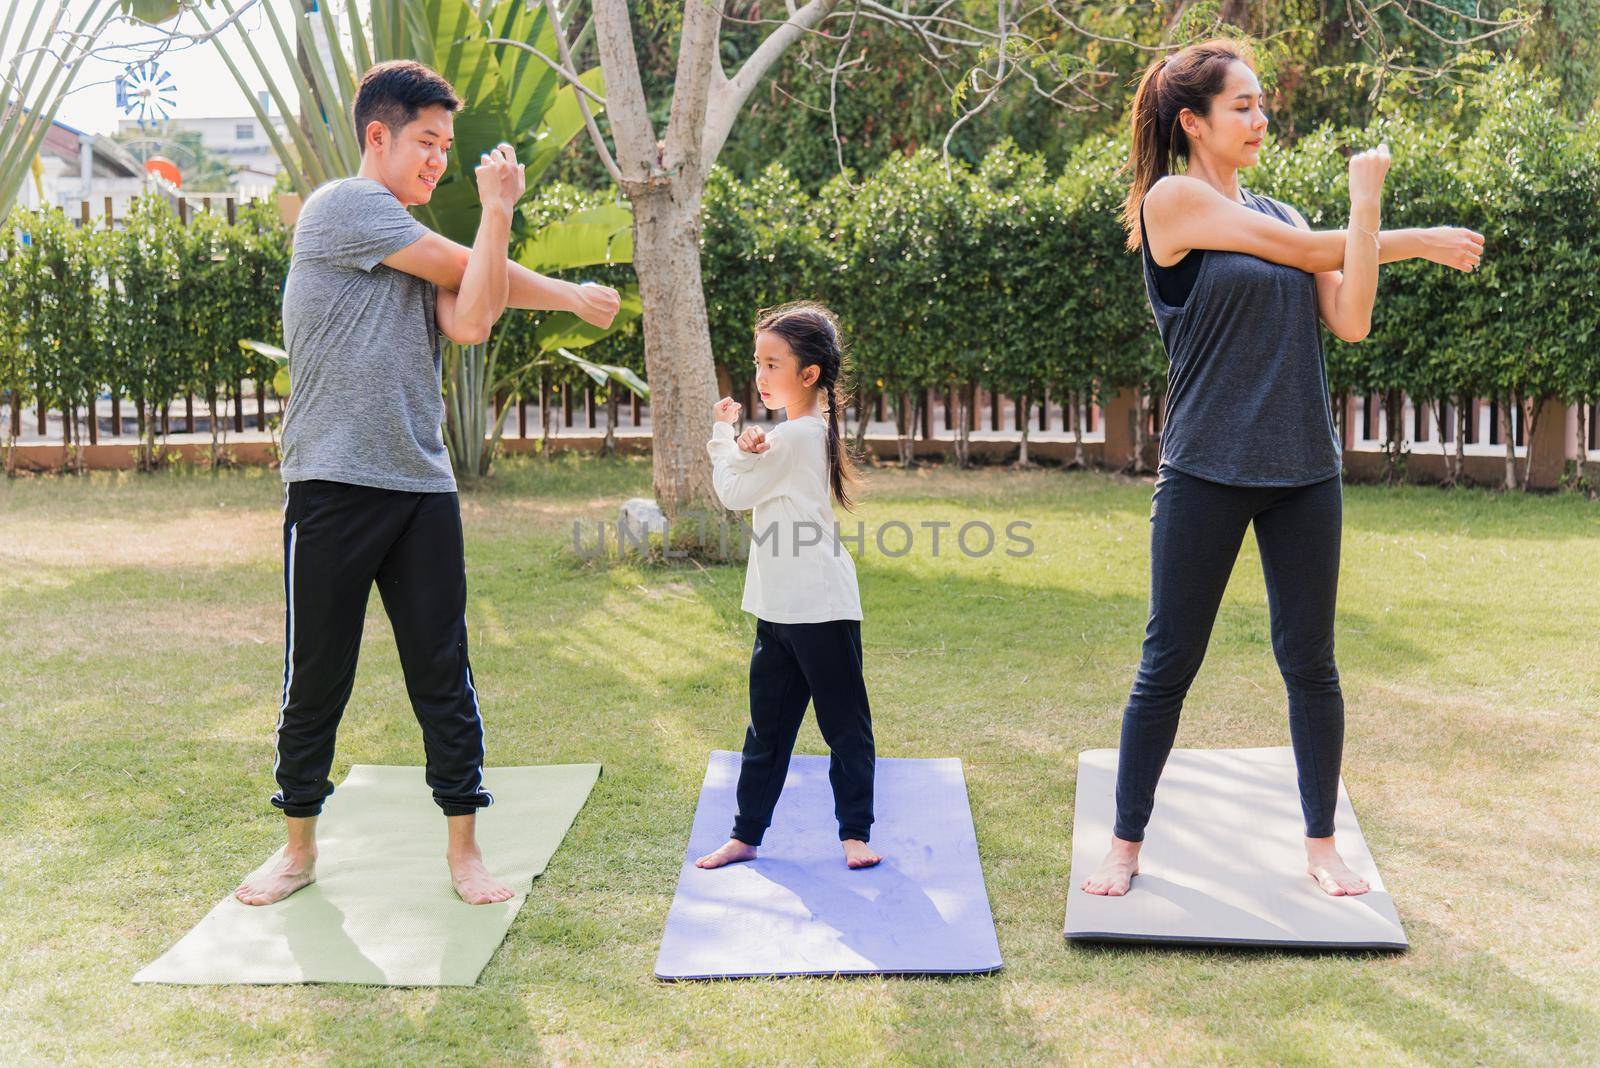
<point x="412" y="159"/>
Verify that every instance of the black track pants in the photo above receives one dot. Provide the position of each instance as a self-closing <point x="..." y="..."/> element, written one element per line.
<point x="337" y="540"/>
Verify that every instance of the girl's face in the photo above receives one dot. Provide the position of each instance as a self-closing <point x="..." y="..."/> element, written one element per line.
<point x="1232" y="133"/>
<point x="779" y="378"/>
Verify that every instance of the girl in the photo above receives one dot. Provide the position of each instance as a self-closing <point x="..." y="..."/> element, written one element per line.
<point x="1238" y="283"/>
<point x="800" y="583"/>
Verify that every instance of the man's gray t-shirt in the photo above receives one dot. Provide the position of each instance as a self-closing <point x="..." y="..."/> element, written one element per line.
<point x="365" y="405"/>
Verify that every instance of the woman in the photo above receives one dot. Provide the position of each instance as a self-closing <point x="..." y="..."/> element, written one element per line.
<point x="1238" y="283"/>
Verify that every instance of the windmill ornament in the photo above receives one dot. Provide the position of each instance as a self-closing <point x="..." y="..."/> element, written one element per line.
<point x="146" y="92"/>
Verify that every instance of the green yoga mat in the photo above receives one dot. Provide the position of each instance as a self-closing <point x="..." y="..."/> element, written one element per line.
<point x="382" y="910"/>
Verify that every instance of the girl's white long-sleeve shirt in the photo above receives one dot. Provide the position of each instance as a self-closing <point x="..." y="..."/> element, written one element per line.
<point x="798" y="571"/>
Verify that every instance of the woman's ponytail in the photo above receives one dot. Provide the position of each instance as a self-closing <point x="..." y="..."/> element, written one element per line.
<point x="1187" y="80"/>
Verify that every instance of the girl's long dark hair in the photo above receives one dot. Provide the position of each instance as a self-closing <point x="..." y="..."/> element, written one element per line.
<point x="1190" y="78"/>
<point x="812" y="333"/>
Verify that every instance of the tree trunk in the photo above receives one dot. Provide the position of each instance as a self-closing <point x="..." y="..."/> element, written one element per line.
<point x="1511" y="442"/>
<point x="1140" y="421"/>
<point x="69" y="416"/>
<point x="8" y="444"/>
<point x="1450" y="470"/>
<point x="958" y="428"/>
<point x="1079" y="413"/>
<point x="902" y="428"/>
<point x="963" y="442"/>
<point x="544" y="417"/>
<point x="1582" y="441"/>
<point x="1025" y="403"/>
<point x="1463" y="410"/>
<point x="863" y="414"/>
<point x="1530" y="411"/>
<point x="1394" y="406"/>
<point x="211" y="406"/>
<point x="677" y="345"/>
<point x="608" y="447"/>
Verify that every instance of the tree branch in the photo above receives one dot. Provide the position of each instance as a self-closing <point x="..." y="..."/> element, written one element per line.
<point x="628" y="110"/>
<point x="699" y="73"/>
<point x="727" y="95"/>
<point x="583" y="105"/>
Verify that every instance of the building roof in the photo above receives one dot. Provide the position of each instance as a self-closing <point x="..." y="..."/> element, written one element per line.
<point x="109" y="158"/>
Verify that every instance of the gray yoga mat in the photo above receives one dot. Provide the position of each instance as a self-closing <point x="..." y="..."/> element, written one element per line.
<point x="382" y="910"/>
<point x="797" y="910"/>
<point x="1223" y="860"/>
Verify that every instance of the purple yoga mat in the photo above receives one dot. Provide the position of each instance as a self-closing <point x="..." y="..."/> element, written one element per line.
<point x="797" y="910"/>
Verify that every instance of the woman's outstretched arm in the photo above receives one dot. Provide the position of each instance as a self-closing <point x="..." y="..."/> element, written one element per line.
<point x="1450" y="246"/>
<point x="1177" y="212"/>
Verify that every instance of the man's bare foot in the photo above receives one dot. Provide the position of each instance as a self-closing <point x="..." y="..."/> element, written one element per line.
<point x="472" y="880"/>
<point x="731" y="852"/>
<point x="1327" y="867"/>
<point x="293" y="872"/>
<point x="1116" y="872"/>
<point x="857" y="854"/>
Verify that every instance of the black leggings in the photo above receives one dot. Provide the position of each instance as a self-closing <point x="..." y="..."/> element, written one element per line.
<point x="1196" y="528"/>
<point x="791" y="664"/>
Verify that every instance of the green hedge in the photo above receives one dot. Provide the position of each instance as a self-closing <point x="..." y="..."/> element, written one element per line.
<point x="1018" y="279"/>
<point x="150" y="311"/>
<point x="943" y="275"/>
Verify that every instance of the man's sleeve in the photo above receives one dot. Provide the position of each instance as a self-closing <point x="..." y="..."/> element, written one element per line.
<point x="363" y="224"/>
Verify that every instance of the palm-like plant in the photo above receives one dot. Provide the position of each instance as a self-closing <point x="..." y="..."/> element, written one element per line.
<point x="47" y="45"/>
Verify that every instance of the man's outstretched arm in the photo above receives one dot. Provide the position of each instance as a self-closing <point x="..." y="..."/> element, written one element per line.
<point x="444" y="263"/>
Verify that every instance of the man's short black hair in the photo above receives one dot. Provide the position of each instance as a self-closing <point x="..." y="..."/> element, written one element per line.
<point x="392" y="93"/>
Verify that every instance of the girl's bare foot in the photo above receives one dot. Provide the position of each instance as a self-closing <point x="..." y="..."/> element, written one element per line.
<point x="293" y="872"/>
<point x="857" y="854"/>
<point x="1327" y="867"/>
<point x="472" y="880"/>
<point x="1116" y="872"/>
<point x="732" y="852"/>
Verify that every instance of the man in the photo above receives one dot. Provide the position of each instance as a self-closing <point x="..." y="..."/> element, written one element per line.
<point x="370" y="495"/>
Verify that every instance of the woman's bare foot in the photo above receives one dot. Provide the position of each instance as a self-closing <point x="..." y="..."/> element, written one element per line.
<point x="1327" y="867"/>
<point x="472" y="880"/>
<point x="731" y="852"/>
<point x="1116" y="872"/>
<point x="857" y="854"/>
<point x="293" y="872"/>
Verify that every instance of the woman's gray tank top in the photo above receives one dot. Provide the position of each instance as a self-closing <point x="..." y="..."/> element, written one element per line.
<point x="1247" y="392"/>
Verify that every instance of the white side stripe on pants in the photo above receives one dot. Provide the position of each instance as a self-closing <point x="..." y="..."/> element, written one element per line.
<point x="288" y="653"/>
<point x="483" y="752"/>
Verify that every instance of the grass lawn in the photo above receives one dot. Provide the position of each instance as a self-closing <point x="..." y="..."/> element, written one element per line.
<point x="141" y="630"/>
